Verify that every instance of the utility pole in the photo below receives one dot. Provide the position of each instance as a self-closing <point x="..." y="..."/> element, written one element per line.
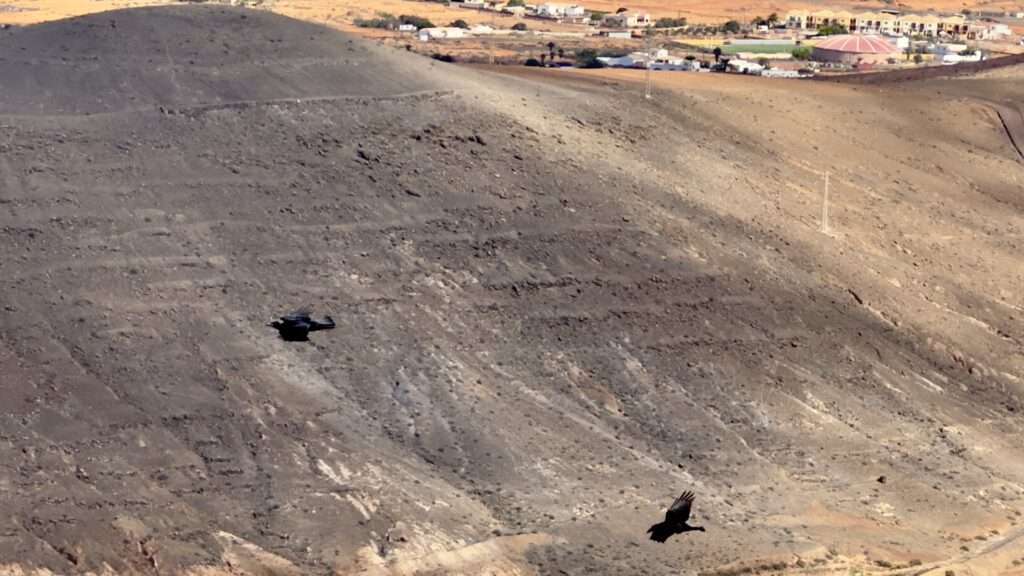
<point x="824" y="207"/>
<point x="490" y="40"/>
<point x="650" y="58"/>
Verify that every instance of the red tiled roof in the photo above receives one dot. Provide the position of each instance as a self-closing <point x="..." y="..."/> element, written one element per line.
<point x="857" y="44"/>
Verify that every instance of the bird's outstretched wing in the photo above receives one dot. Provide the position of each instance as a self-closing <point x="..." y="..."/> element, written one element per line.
<point x="679" y="512"/>
<point x="300" y="315"/>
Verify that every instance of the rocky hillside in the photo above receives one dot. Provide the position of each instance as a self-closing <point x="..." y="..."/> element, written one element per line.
<point x="551" y="321"/>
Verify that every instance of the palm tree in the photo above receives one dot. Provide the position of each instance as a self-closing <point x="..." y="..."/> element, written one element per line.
<point x="561" y="53"/>
<point x="551" y="49"/>
<point x="718" y="53"/>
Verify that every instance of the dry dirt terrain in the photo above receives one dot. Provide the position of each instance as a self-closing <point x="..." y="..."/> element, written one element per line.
<point x="340" y="13"/>
<point x="559" y="304"/>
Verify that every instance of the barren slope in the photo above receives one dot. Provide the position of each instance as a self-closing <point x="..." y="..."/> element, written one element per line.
<point x="558" y="306"/>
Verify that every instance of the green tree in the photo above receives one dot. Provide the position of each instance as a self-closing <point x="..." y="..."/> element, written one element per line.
<point x="918" y="58"/>
<point x="460" y="23"/>
<point x="418" y="21"/>
<point x="772" y="19"/>
<point x="832" y="29"/>
<point x="802" y="53"/>
<point x="514" y="3"/>
<point x="670" y="23"/>
<point x="718" y="53"/>
<point x="732" y="27"/>
<point x="587" y="58"/>
<point x="519" y="26"/>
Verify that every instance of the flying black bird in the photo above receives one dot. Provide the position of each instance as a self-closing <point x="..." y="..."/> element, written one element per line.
<point x="295" y="327"/>
<point x="675" y="519"/>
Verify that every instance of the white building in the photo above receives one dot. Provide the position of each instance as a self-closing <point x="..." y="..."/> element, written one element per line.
<point x="628" y="20"/>
<point x="680" y="64"/>
<point x="632" y="60"/>
<point x="778" y="73"/>
<point x="745" y="67"/>
<point x="950" y="59"/>
<point x="551" y="11"/>
<point x="572" y="12"/>
<point x="428" y="34"/>
<point x="575" y="12"/>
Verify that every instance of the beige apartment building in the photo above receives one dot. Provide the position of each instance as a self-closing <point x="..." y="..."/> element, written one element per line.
<point x="888" y="23"/>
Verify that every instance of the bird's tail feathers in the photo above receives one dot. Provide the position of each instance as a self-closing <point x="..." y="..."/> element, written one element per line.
<point x="660" y="532"/>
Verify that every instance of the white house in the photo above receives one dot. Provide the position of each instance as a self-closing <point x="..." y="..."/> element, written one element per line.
<point x="575" y="12"/>
<point x="619" y="35"/>
<point x="745" y="67"/>
<point x="989" y="31"/>
<point x="556" y="11"/>
<point x="406" y="28"/>
<point x="572" y="12"/>
<point x="628" y="20"/>
<point x="632" y="60"/>
<point x="428" y="34"/>
<point x="666" y="63"/>
<point x="950" y="59"/>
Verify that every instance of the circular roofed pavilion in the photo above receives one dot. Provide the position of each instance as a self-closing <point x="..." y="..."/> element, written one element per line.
<point x="854" y="49"/>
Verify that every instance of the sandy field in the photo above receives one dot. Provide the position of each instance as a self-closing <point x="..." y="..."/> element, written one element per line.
<point x="342" y="12"/>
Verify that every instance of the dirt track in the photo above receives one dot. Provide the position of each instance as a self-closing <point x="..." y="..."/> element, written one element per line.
<point x="558" y="305"/>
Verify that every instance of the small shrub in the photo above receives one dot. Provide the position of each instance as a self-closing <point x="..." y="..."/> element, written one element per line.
<point x="587" y="58"/>
<point x="832" y="30"/>
<point x="533" y="62"/>
<point x="442" y="57"/>
<point x="460" y="23"/>
<point x="670" y="23"/>
<point x="417" y="21"/>
<point x="802" y="53"/>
